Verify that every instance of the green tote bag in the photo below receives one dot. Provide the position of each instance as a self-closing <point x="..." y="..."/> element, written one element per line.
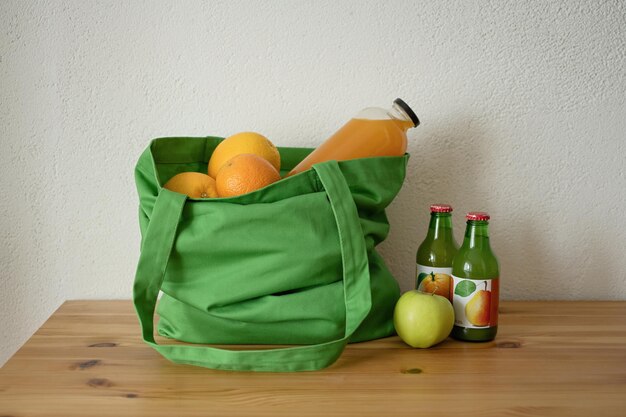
<point x="293" y="263"/>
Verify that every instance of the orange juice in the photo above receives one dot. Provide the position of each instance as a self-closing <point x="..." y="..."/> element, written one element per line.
<point x="373" y="132"/>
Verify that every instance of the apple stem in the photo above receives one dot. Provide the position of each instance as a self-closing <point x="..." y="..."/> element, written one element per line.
<point x="485" y="282"/>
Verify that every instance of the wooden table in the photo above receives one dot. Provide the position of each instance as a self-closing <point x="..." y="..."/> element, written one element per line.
<point x="549" y="359"/>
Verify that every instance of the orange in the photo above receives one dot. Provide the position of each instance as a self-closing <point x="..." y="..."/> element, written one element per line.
<point x="245" y="142"/>
<point x="244" y="173"/>
<point x="436" y="284"/>
<point x="193" y="184"/>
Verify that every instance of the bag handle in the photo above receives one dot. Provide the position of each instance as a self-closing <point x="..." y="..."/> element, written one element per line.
<point x="154" y="257"/>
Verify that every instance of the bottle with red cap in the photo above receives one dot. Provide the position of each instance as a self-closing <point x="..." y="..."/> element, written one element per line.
<point x="475" y="274"/>
<point x="435" y="254"/>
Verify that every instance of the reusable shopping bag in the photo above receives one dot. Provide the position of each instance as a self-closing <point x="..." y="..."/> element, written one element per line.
<point x="294" y="263"/>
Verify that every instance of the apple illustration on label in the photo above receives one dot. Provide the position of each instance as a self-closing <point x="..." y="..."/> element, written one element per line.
<point x="423" y="320"/>
<point x="435" y="283"/>
<point x="478" y="308"/>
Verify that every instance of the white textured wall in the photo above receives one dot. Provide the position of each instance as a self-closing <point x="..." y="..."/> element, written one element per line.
<point x="522" y="103"/>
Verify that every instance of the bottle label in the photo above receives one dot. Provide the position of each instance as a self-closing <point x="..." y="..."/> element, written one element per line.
<point x="434" y="280"/>
<point x="475" y="302"/>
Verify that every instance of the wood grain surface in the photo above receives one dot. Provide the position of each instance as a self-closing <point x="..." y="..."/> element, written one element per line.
<point x="549" y="359"/>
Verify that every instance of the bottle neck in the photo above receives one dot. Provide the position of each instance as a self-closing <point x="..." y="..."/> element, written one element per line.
<point x="440" y="226"/>
<point x="476" y="235"/>
<point x="404" y="120"/>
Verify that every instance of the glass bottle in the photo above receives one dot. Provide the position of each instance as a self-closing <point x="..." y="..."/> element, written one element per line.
<point x="372" y="132"/>
<point x="476" y="277"/>
<point x="434" y="256"/>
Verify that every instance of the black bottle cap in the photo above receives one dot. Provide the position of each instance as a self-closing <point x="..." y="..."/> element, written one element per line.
<point x="408" y="111"/>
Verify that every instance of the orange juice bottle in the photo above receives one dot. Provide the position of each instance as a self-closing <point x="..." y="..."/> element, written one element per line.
<point x="372" y="132"/>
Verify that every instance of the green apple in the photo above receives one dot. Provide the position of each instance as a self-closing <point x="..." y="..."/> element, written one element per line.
<point x="422" y="319"/>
